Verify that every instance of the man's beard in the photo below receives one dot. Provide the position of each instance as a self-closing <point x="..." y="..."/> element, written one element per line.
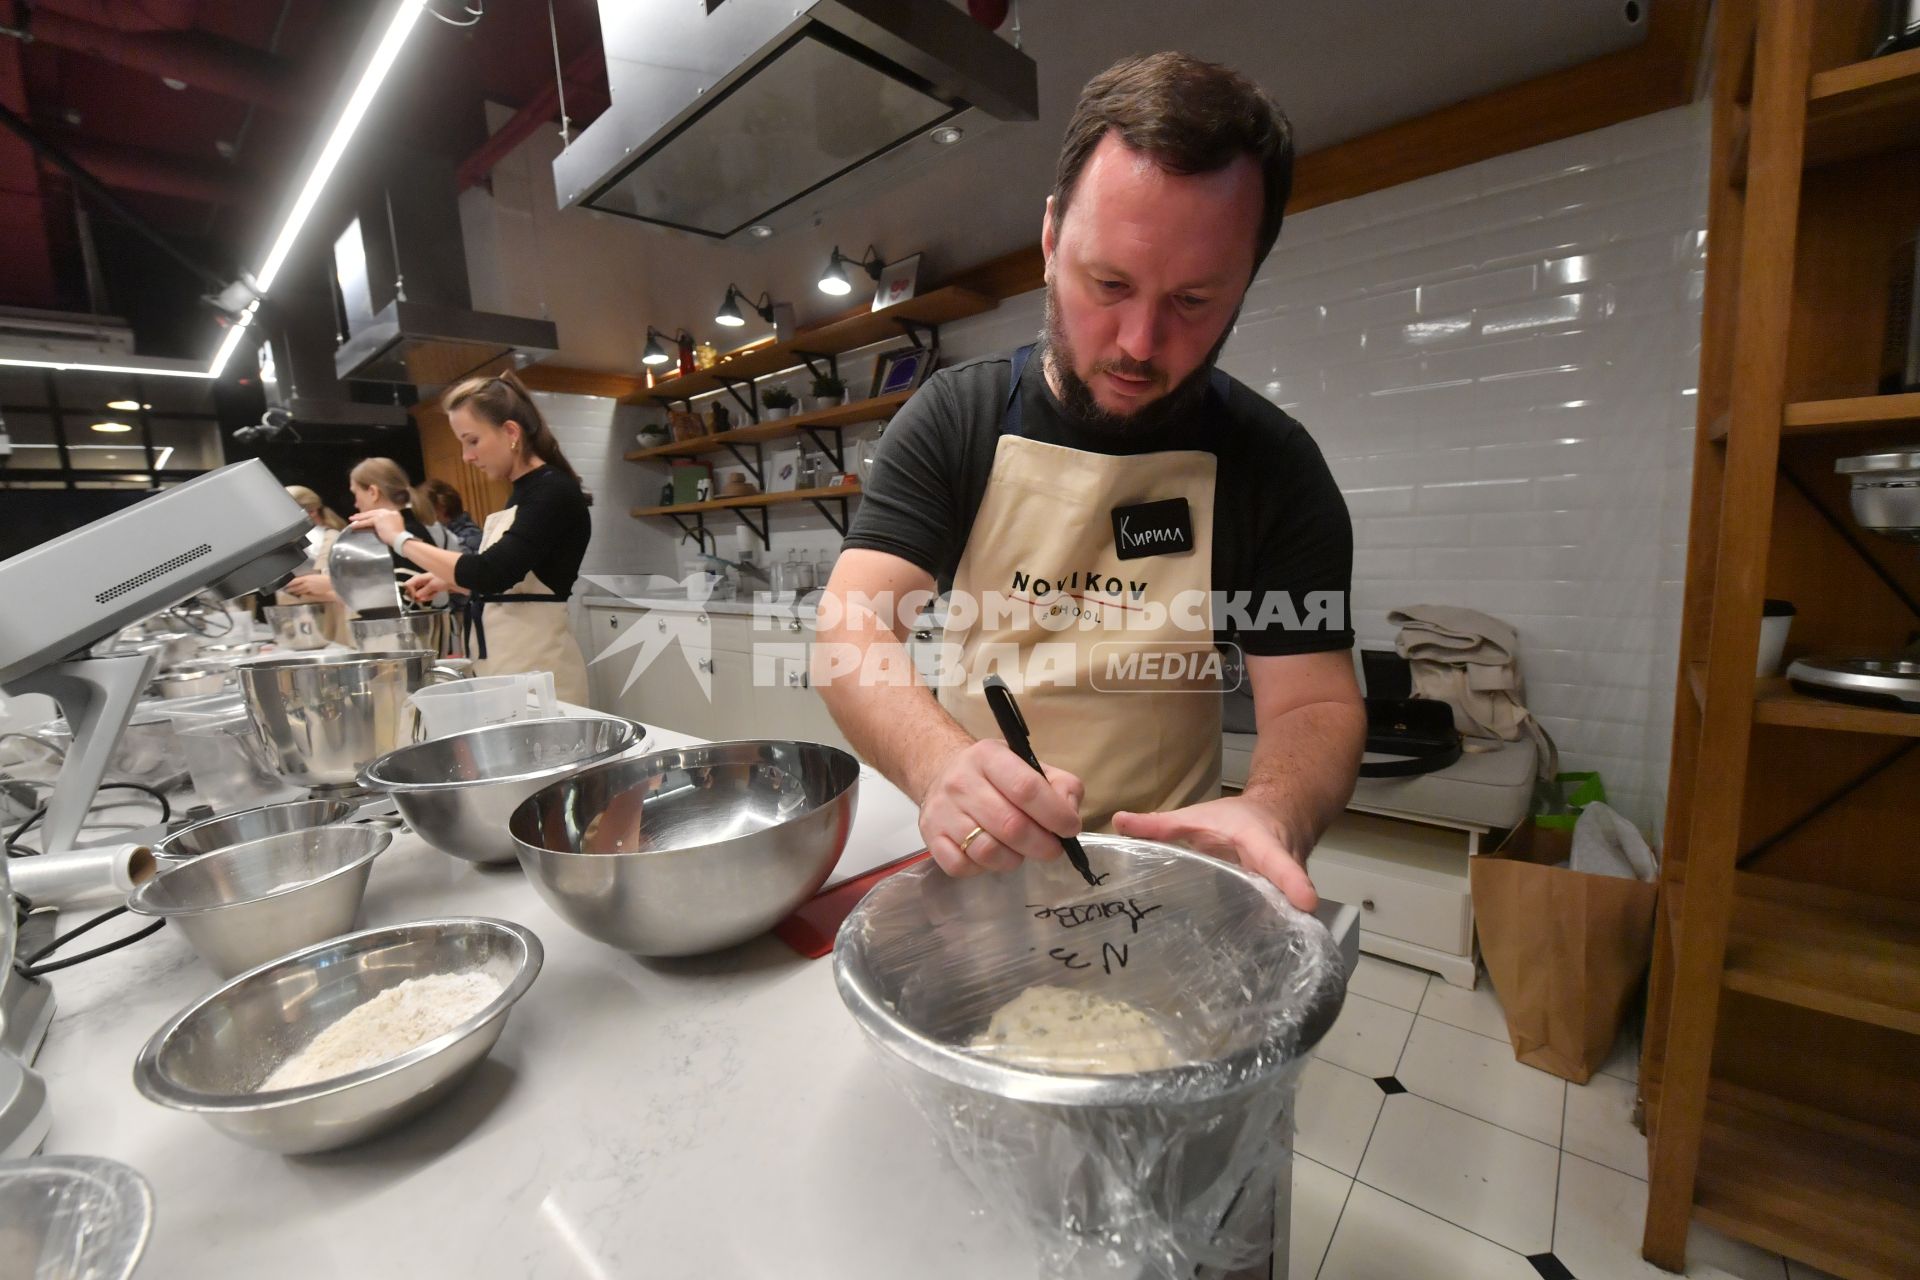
<point x="1076" y="397"/>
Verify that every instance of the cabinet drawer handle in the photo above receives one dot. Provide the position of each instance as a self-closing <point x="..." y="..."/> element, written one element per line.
<point x="793" y="624"/>
<point x="706" y="664"/>
<point x="923" y="635"/>
<point x="703" y="619"/>
<point x="614" y="623"/>
<point x="1366" y="904"/>
<point x="661" y="623"/>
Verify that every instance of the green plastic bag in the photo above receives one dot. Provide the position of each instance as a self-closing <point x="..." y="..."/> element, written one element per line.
<point x="1558" y="804"/>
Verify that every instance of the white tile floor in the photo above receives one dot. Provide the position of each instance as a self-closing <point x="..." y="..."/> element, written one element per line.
<point x="1474" y="1166"/>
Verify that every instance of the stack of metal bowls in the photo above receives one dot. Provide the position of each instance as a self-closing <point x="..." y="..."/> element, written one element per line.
<point x="322" y="718"/>
<point x="212" y="1057"/>
<point x="458" y="792"/>
<point x="1171" y="1166"/>
<point x="689" y="850"/>
<point x="248" y="903"/>
<point x="246" y="826"/>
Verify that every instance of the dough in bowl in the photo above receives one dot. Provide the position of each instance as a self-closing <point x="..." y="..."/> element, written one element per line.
<point x="1061" y="1029"/>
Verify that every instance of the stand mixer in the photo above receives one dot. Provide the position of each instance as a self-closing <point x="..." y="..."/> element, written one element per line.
<point x="1886" y="500"/>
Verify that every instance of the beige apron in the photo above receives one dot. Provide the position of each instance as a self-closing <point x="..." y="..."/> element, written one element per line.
<point x="530" y="636"/>
<point x="1043" y="539"/>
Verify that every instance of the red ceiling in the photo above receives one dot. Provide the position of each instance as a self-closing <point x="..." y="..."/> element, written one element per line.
<point x="160" y="149"/>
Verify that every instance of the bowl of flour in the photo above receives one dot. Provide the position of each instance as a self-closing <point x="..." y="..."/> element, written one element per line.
<point x="335" y="1043"/>
<point x="1113" y="1066"/>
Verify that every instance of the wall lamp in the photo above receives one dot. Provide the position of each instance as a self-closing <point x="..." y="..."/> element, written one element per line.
<point x="729" y="313"/>
<point x="835" y="281"/>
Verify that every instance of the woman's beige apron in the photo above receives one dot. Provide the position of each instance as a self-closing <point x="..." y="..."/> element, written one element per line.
<point x="1143" y="735"/>
<point x="528" y="635"/>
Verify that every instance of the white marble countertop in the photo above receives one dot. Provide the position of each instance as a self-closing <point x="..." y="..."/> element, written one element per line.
<point x="716" y="1117"/>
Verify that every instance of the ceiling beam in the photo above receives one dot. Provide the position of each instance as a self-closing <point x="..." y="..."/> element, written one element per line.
<point x="26" y="268"/>
<point x="200" y="61"/>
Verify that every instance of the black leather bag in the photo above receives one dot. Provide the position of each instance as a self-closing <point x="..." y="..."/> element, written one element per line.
<point x="1419" y="732"/>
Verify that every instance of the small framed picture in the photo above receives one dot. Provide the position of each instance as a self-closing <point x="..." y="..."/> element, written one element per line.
<point x="901" y="370"/>
<point x="896" y="282"/>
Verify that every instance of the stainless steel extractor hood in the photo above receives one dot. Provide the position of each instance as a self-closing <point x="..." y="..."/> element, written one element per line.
<point x="727" y="111"/>
<point x="296" y="362"/>
<point x="405" y="312"/>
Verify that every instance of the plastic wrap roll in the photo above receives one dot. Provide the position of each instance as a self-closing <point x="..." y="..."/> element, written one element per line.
<point x="101" y="876"/>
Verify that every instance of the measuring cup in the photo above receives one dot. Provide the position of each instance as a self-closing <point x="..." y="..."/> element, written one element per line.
<point x="459" y="705"/>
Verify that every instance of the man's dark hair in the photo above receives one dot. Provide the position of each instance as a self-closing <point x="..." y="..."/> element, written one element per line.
<point x="1190" y="117"/>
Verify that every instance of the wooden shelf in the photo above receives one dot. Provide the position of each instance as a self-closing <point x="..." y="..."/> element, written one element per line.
<point x="752" y="500"/>
<point x="1828" y="417"/>
<point x="1864" y="108"/>
<point x="1816" y="417"/>
<point x="759" y="433"/>
<point x="1832" y="1194"/>
<point x="848" y="333"/>
<point x="1777" y="702"/>
<point x="1852" y="955"/>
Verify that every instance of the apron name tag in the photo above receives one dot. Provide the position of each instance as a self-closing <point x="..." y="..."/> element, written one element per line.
<point x="1161" y="528"/>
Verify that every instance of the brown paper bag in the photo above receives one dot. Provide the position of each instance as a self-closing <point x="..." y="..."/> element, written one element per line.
<point x="1566" y="952"/>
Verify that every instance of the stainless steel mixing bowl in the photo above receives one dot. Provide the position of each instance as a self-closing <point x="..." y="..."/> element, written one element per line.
<point x="323" y="717"/>
<point x="690" y="850"/>
<point x="1174" y="1165"/>
<point x="402" y="633"/>
<point x="459" y="792"/>
<point x="298" y="626"/>
<point x="247" y="825"/>
<point x="361" y="570"/>
<point x="72" y="1216"/>
<point x="251" y="902"/>
<point x="212" y="1057"/>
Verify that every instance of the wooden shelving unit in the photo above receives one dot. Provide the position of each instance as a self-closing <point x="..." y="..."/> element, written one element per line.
<point x="845" y="415"/>
<point x="691" y="516"/>
<point x="1850" y="413"/>
<point x="823" y="342"/>
<point x="1836" y="1196"/>
<point x="752" y="501"/>
<point x="1864" y="108"/>
<point x="1783" y="1023"/>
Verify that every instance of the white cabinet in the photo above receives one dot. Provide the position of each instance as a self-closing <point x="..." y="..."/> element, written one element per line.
<point x="756" y="674"/>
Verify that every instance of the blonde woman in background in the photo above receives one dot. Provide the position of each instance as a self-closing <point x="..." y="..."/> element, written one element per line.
<point x="377" y="484"/>
<point x="333" y="615"/>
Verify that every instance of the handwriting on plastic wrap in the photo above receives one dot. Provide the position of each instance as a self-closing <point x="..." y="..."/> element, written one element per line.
<point x="1112" y="955"/>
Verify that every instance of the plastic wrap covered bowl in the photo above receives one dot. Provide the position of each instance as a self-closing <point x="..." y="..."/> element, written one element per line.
<point x="1112" y="1067"/>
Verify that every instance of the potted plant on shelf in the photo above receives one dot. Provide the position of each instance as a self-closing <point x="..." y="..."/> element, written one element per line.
<point x="828" y="392"/>
<point x="777" y="403"/>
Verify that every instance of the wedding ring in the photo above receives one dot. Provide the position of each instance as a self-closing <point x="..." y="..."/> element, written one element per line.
<point x="972" y="835"/>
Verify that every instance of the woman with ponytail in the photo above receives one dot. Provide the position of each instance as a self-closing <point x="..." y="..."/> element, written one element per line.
<point x="518" y="582"/>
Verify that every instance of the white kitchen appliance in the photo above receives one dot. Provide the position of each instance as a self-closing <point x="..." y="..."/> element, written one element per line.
<point x="235" y="530"/>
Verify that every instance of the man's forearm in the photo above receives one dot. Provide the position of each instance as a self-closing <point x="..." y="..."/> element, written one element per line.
<point x="1304" y="766"/>
<point x="895" y="723"/>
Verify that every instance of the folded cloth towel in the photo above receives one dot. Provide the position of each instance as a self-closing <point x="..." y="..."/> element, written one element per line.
<point x="1469" y="659"/>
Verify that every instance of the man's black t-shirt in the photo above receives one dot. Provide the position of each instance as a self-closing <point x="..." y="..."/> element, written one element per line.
<point x="1279" y="521"/>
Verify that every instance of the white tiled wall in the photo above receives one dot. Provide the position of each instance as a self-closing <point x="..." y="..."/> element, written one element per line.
<point x="1498" y="363"/>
